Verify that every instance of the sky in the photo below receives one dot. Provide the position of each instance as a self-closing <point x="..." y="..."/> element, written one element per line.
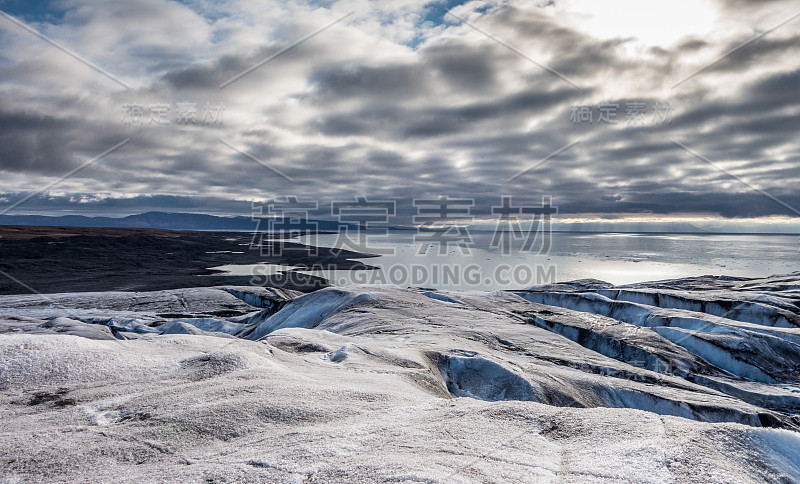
<point x="617" y="109"/>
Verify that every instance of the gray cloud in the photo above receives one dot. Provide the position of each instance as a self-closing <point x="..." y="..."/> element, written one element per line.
<point x="355" y="111"/>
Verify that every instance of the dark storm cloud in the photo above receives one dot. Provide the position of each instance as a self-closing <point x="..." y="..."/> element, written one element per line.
<point x="402" y="123"/>
<point x="33" y="142"/>
<point x="460" y="66"/>
<point x="210" y="75"/>
<point x="368" y="82"/>
<point x="743" y="58"/>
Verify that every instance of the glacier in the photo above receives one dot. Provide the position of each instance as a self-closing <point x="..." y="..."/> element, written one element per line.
<point x="686" y="380"/>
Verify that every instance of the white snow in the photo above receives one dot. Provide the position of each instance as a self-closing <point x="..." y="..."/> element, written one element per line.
<point x="375" y="384"/>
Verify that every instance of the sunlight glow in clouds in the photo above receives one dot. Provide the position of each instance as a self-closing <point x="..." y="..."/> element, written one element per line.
<point x="650" y="22"/>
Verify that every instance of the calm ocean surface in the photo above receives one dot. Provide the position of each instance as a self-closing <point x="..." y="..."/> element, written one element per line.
<point x="612" y="257"/>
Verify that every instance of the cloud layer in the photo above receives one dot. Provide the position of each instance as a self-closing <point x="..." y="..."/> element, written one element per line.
<point x="399" y="100"/>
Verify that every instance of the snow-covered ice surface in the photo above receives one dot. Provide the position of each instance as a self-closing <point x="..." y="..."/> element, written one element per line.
<point x="692" y="380"/>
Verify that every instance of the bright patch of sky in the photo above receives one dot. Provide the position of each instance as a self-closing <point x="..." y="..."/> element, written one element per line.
<point x="651" y="23"/>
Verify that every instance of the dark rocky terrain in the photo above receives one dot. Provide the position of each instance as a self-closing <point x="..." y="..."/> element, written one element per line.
<point x="69" y="259"/>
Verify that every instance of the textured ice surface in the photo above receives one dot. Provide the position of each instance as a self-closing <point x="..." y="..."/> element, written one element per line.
<point x="676" y="381"/>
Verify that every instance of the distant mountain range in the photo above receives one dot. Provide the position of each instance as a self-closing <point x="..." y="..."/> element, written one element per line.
<point x="162" y="220"/>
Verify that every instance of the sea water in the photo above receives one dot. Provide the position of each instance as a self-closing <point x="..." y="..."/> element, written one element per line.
<point x="613" y="257"/>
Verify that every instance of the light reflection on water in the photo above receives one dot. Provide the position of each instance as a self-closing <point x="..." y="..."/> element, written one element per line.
<point x="616" y="258"/>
